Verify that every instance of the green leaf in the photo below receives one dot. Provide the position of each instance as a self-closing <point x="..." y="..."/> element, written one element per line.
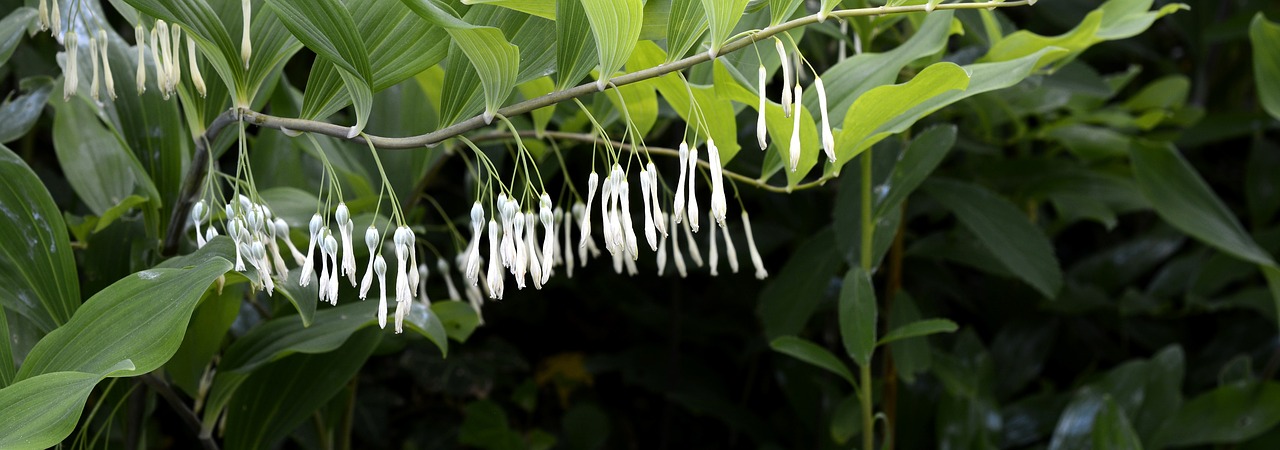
<point x="813" y="354"/>
<point x="873" y="115"/>
<point x="794" y="294"/>
<point x="7" y="370"/>
<point x="140" y="318"/>
<point x="1114" y="20"/>
<point x="776" y="122"/>
<point x="685" y="26"/>
<point x="208" y="328"/>
<point x="12" y="28"/>
<point x="37" y="269"/>
<point x="1002" y="228"/>
<point x="916" y="329"/>
<point x="1111" y="430"/>
<point x="913" y="356"/>
<point x="99" y="167"/>
<point x="1264" y="35"/>
<point x="723" y="16"/>
<point x="279" y="397"/>
<point x="325" y="27"/>
<point x="459" y="319"/>
<point x="574" y="44"/>
<point x="545" y="9"/>
<point x="495" y="60"/>
<point x="781" y="10"/>
<point x="616" y="25"/>
<point x="925" y="153"/>
<point x="116" y="211"/>
<point x="21" y="112"/>
<point x="858" y="315"/>
<point x="846" y="420"/>
<point x="534" y="89"/>
<point x="718" y="112"/>
<point x="41" y="411"/>
<point x="1183" y="199"/>
<point x="1227" y="415"/>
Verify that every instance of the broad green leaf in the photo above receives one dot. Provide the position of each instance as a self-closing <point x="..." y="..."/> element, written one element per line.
<point x="791" y="297"/>
<point x="813" y="354"/>
<point x="326" y="27"/>
<point x="1112" y="431"/>
<point x="37" y="269"/>
<point x="545" y="9"/>
<point x="20" y="112"/>
<point x="534" y="89"/>
<point x="12" y="27"/>
<point x="208" y="328"/>
<point x="385" y="26"/>
<point x="459" y="319"/>
<point x="7" y="370"/>
<point x="303" y="299"/>
<point x="575" y="45"/>
<point x="140" y="318"/>
<point x="1227" y="415"/>
<point x="98" y="166"/>
<point x="495" y="60"/>
<point x="616" y="25"/>
<point x="202" y="24"/>
<point x="858" y="315"/>
<point x="846" y="214"/>
<point x="639" y="102"/>
<point x="777" y="123"/>
<point x="917" y="329"/>
<point x="874" y="114"/>
<point x="684" y="27"/>
<point x="846" y="419"/>
<point x="281" y="396"/>
<point x="1021" y="247"/>
<point x="825" y="8"/>
<point x="115" y="212"/>
<point x="40" y="412"/>
<point x="1183" y="199"/>
<point x="781" y="10"/>
<point x="723" y="16"/>
<point x="863" y="127"/>
<point x="463" y="88"/>
<point x="911" y="357"/>
<point x="1114" y="20"/>
<point x="1264" y="35"/>
<point x="717" y="118"/>
<point x="926" y="152"/>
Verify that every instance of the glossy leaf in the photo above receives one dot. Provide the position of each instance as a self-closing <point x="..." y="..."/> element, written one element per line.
<point x="37" y="269"/>
<point x="792" y="296"/>
<point x="22" y="111"/>
<point x="1115" y="19"/>
<point x="545" y="9"/>
<point x="495" y="59"/>
<point x="1229" y="414"/>
<point x="917" y="329"/>
<point x="858" y="315"/>
<point x="722" y="17"/>
<point x="575" y="46"/>
<point x="616" y="25"/>
<point x="813" y="354"/>
<point x="40" y="412"/>
<point x="99" y="167"/>
<point x="781" y="10"/>
<point x="326" y="27"/>
<point x="12" y="27"/>
<point x="140" y="318"/>
<point x="926" y="152"/>
<point x="1264" y="35"/>
<point x="1002" y="228"/>
<point x="685" y="26"/>
<point x="281" y="396"/>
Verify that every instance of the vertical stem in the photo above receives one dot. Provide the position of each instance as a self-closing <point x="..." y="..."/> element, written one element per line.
<point x="868" y="235"/>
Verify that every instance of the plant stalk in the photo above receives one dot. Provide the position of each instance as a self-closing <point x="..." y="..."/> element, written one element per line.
<point x="868" y="241"/>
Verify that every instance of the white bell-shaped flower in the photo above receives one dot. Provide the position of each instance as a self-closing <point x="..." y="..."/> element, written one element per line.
<point x="71" y="77"/>
<point x="795" y="133"/>
<point x="713" y="254"/>
<point x="692" y="211"/>
<point x="233" y="230"/>
<point x="246" y="46"/>
<point x="650" y="232"/>
<point x="761" y="125"/>
<point x="108" y="80"/>
<point x="676" y="256"/>
<point x="786" y="77"/>
<point x="196" y="79"/>
<point x="473" y="248"/>
<point x="380" y="268"/>
<point x="345" y="228"/>
<point x="424" y="273"/>
<point x="661" y="225"/>
<point x="535" y="256"/>
<point x="509" y="209"/>
<point x="199" y="212"/>
<point x="761" y="273"/>
<point x="442" y="266"/>
<point x="828" y="140"/>
<point x="678" y="205"/>
<point x="494" y="274"/>
<point x="694" y="253"/>
<point x="521" y="263"/>
<point x="93" y="61"/>
<point x="729" y="250"/>
<point x="308" y="264"/>
<point x="584" y="218"/>
<point x="718" y="206"/>
<point x="140" y="41"/>
<point x="567" y="223"/>
<point x="547" y="217"/>
<point x="371" y="240"/>
<point x="282" y="232"/>
<point x="628" y="230"/>
<point x="661" y="257"/>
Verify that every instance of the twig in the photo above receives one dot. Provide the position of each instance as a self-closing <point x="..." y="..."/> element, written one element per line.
<point x="181" y="211"/>
<point x="161" y="386"/>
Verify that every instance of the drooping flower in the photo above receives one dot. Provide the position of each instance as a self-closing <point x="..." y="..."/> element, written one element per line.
<point x="761" y="273"/>
<point x="108" y="81"/>
<point x="828" y="140"/>
<point x="547" y="217"/>
<point x="650" y="232"/>
<point x="93" y="58"/>
<point x="198" y="216"/>
<point x="532" y="252"/>
<point x="729" y="250"/>
<point x="713" y="255"/>
<point x="795" y="134"/>
<point x="678" y="205"/>
<point x="196" y="79"/>
<point x="175" y="63"/>
<point x="140" y="41"/>
<point x="246" y="47"/>
<point x="629" y="233"/>
<point x="157" y="57"/>
<point x="71" y="78"/>
<point x="233" y="230"/>
<point x="583" y="214"/>
<point x="508" y="248"/>
<point x="43" y="11"/>
<point x="521" y="263"/>
<point x="494" y="275"/>
<point x="607" y="217"/>
<point x="332" y="245"/>
<point x="761" y="125"/>
<point x="274" y="250"/>
<point x="442" y="266"/>
<point x="55" y="16"/>
<point x="308" y="264"/>
<point x="568" y="237"/>
<point x="412" y="240"/>
<point x="424" y="273"/>
<point x="661" y="257"/>
<point x="694" y="253"/>
<point x="473" y="248"/>
<point x="718" y="206"/>
<point x="676" y="256"/>
<point x="345" y="228"/>
<point x="786" y="77"/>
<point x="660" y="224"/>
<point x="371" y="240"/>
<point x="692" y="211"/>
<point x="380" y="268"/>
<point x="282" y="232"/>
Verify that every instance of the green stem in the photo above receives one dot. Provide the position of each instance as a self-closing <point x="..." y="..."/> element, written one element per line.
<point x="868" y="419"/>
<point x="868" y="235"/>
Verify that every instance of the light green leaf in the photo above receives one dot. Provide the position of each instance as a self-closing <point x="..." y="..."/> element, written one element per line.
<point x="140" y="318"/>
<point x="685" y="26"/>
<point x="858" y="315"/>
<point x="37" y="269"/>
<point x="1264" y="35"/>
<point x="813" y="354"/>
<point x="545" y="9"/>
<point x="917" y="329"/>
<point x="777" y="123"/>
<point x="1227" y="415"/>
<point x="7" y="371"/>
<point x="12" y="27"/>
<point x="1112" y="431"/>
<point x="99" y="167"/>
<point x="723" y="16"/>
<point x="534" y="89"/>
<point x="40" y="412"/>
<point x="326" y="27"/>
<point x="718" y="112"/>
<point x="781" y="10"/>
<point x="925" y="153"/>
<point x="116" y="211"/>
<point x="20" y="112"/>
<point x="495" y="60"/>
<point x="1114" y="20"/>
<point x="640" y="102"/>
<point x="1002" y="228"/>
<point x="574" y="44"/>
<point x="791" y="297"/>
<point x="209" y="325"/>
<point x="279" y="397"/>
<point x="616" y="25"/>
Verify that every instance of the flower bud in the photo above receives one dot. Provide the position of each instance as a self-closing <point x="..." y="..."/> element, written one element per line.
<point x="828" y="141"/>
<point x="795" y="134"/>
<point x="761" y="125"/>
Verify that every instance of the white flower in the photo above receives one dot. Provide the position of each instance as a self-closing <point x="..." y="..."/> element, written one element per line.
<point x="442" y="266"/>
<point x="473" y="248"/>
<point x="424" y="272"/>
<point x="371" y="240"/>
<point x="380" y="268"/>
<point x="233" y="230"/>
<point x="547" y="217"/>
<point x="521" y="263"/>
<point x="55" y="16"/>
<point x="44" y="14"/>
<point x="175" y="65"/>
<point x="308" y="264"/>
<point x="795" y="133"/>
<point x="729" y="250"/>
<point x="676" y="256"/>
<point x="508" y="248"/>
<point x="761" y="126"/>
<point x="531" y="246"/>
<point x="650" y="232"/>
<point x="210" y="233"/>
<point x="246" y="47"/>
<point x="692" y="211"/>
<point x="198" y="212"/>
<point x="580" y="214"/>
<point x="140" y="41"/>
<point x="653" y="199"/>
<point x="157" y="56"/>
<point x="557" y="219"/>
<point x="786" y="77"/>
<point x="629" y="233"/>
<point x="678" y="205"/>
<point x="761" y="273"/>
<point x="617" y="261"/>
<point x="494" y="274"/>
<point x="828" y="141"/>
<point x="694" y="253"/>
<point x="274" y="250"/>
<point x="107" y="79"/>
<point x="71" y="77"/>
<point x="568" y="237"/>
<point x="196" y="79"/>
<point x="631" y="266"/>
<point x="718" y="205"/>
<point x="93" y="58"/>
<point x="412" y="240"/>
<point x="584" y="214"/>
<point x="607" y="218"/>
<point x="343" y="216"/>
<point x="282" y="232"/>
<point x="257" y="258"/>
<point x="713" y="256"/>
<point x="662" y="251"/>
<point x="332" y="245"/>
